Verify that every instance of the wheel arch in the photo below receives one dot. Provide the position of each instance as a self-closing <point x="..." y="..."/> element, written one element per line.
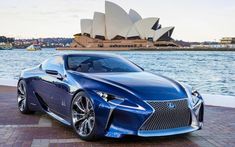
<point x="21" y="78"/>
<point x="74" y="95"/>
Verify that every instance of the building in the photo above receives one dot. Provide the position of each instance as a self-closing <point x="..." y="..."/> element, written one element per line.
<point x="118" y="29"/>
<point x="227" y="40"/>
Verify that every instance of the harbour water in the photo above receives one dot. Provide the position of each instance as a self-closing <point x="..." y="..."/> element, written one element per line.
<point x="210" y="72"/>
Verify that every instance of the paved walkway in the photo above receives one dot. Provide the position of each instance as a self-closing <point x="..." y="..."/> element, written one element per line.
<point x="39" y="130"/>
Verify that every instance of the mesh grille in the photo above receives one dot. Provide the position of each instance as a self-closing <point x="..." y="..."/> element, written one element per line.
<point x="167" y="118"/>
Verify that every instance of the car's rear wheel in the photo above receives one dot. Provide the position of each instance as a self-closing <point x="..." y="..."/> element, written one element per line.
<point x="22" y="97"/>
<point x="83" y="117"/>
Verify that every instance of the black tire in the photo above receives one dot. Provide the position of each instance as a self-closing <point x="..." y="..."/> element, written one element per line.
<point x="75" y="111"/>
<point x="22" y="98"/>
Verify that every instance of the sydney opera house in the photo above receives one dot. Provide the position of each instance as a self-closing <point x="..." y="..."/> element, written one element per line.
<point x="118" y="29"/>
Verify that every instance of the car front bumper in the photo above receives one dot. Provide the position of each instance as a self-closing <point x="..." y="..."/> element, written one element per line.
<point x="117" y="121"/>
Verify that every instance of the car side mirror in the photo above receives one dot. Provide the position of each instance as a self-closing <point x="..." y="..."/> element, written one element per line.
<point x="55" y="74"/>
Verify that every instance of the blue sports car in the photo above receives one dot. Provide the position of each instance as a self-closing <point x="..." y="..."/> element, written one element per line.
<point x="106" y="95"/>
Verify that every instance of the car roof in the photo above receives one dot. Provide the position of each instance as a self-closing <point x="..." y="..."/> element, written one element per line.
<point x="89" y="54"/>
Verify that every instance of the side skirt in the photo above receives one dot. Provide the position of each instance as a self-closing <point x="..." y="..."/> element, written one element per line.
<point x="50" y="113"/>
<point x="58" y="118"/>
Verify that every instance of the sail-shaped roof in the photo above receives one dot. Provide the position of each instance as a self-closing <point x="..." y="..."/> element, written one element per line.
<point x="117" y="21"/>
<point x="86" y="26"/>
<point x="163" y="31"/>
<point x="134" y="16"/>
<point x="145" y="27"/>
<point x="98" y="25"/>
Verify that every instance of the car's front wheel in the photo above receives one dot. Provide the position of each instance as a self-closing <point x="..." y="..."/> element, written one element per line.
<point x="22" y="97"/>
<point x="83" y="116"/>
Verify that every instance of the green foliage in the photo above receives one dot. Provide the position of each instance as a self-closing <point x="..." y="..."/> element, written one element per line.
<point x="5" y="39"/>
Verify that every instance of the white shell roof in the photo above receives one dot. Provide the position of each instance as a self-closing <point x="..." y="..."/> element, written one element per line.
<point x="86" y="26"/>
<point x="144" y="27"/>
<point x="132" y="32"/>
<point x="135" y="16"/>
<point x="160" y="32"/>
<point x="98" y="25"/>
<point x="117" y="20"/>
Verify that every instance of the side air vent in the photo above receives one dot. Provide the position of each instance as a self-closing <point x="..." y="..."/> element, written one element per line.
<point x="42" y="102"/>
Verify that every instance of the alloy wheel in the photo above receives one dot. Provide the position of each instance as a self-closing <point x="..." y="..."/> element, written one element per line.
<point x="83" y="116"/>
<point x="21" y="91"/>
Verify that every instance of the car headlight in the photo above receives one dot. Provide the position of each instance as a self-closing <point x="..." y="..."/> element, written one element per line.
<point x="117" y="101"/>
<point x="107" y="97"/>
<point x="195" y="97"/>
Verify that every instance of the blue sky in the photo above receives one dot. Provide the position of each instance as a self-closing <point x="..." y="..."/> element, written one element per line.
<point x="194" y="20"/>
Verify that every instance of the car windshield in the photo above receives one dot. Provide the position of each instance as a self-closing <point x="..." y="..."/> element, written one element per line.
<point x="94" y="64"/>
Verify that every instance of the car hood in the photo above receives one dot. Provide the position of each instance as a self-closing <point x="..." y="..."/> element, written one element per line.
<point x="146" y="86"/>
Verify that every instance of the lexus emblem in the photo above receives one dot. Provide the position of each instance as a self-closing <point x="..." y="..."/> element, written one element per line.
<point x="171" y="105"/>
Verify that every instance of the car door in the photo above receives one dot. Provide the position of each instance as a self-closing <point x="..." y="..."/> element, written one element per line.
<point x="52" y="86"/>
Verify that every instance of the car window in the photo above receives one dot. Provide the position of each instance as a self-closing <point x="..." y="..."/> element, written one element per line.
<point x="54" y="63"/>
<point x="93" y="64"/>
<point x="75" y="61"/>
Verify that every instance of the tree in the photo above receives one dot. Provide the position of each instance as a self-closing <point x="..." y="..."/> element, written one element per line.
<point x="5" y="39"/>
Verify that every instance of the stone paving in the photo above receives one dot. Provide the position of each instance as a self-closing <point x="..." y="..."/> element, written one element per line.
<point x="39" y="130"/>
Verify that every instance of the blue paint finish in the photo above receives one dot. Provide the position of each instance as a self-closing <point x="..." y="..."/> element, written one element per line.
<point x="115" y="118"/>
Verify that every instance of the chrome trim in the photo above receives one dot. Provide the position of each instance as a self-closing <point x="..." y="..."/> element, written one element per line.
<point x="149" y="115"/>
<point x="195" y="121"/>
<point x="167" y="132"/>
<point x="109" y="116"/>
<point x="60" y="119"/>
<point x="125" y="106"/>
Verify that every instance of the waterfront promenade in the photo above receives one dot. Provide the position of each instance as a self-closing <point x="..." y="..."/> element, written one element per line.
<point x="145" y="49"/>
<point x="39" y="130"/>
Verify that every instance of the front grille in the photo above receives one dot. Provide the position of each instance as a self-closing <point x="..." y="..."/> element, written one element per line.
<point x="166" y="117"/>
